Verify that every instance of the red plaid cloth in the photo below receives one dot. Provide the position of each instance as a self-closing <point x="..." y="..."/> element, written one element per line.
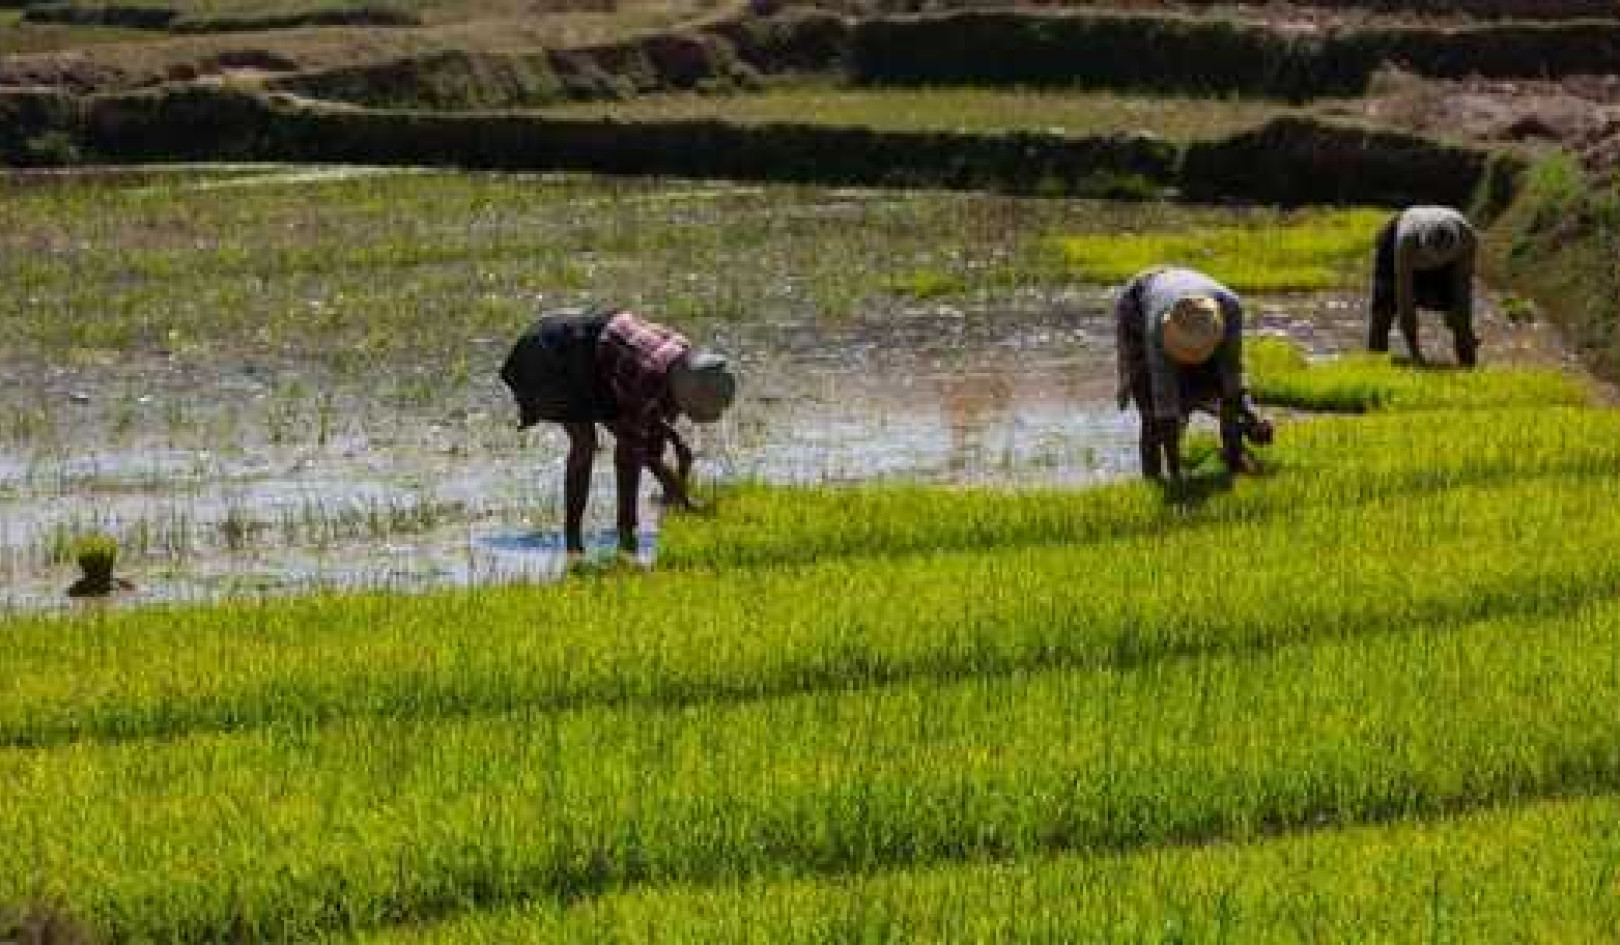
<point x="633" y="358"/>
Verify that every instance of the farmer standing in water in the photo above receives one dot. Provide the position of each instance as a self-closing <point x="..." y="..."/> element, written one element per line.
<point x="1181" y="350"/>
<point x="1425" y="259"/>
<point x="581" y="367"/>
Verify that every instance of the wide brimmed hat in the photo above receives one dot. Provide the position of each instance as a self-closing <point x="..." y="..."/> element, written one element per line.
<point x="1192" y="329"/>
<point x="703" y="385"/>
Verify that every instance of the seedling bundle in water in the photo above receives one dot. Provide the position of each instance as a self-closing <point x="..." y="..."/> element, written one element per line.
<point x="96" y="556"/>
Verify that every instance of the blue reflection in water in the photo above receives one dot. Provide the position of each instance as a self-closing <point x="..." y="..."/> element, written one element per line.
<point x="598" y="541"/>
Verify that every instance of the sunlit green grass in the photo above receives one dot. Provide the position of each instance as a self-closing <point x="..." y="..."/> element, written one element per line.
<point x="1279" y="374"/>
<point x="1325" y="462"/>
<point x="1344" y="696"/>
<point x="287" y="830"/>
<point x="679" y="639"/>
<point x="944" y="109"/>
<point x="1544" y="872"/>
<point x="1311" y="250"/>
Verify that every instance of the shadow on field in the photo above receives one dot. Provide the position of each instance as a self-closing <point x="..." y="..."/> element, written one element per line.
<point x="1196" y="489"/>
<point x="39" y="924"/>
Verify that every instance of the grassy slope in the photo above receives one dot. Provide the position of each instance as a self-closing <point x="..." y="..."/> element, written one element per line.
<point x="1077" y="113"/>
<point x="1151" y="675"/>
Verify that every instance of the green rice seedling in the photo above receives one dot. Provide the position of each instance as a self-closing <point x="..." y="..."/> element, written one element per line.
<point x="681" y="638"/>
<point x="925" y="284"/>
<point x="1524" y="873"/>
<point x="96" y="555"/>
<point x="1361" y="382"/>
<point x="291" y="831"/>
<point x="1307" y="251"/>
<point x="1330" y="461"/>
<point x="367" y="267"/>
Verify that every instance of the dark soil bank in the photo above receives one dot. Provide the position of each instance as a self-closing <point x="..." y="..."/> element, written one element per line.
<point x="1280" y="9"/>
<point x="1102" y="51"/>
<point x="1291" y="161"/>
<point x="726" y="55"/>
<point x="1195" y="55"/>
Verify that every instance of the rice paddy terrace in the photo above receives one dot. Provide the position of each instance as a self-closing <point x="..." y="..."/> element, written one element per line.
<point x="930" y="665"/>
<point x="1370" y="692"/>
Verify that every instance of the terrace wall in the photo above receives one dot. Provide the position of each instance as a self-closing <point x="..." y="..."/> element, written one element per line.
<point x="1481" y="9"/>
<point x="1290" y="161"/>
<point x="223" y="125"/>
<point x="729" y="54"/>
<point x="1296" y="161"/>
<point x="38" y="127"/>
<point x="1165" y="54"/>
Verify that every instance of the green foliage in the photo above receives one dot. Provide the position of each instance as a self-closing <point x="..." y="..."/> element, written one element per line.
<point x="924" y="284"/>
<point x="1279" y="375"/>
<point x="1346" y="693"/>
<point x="1558" y="244"/>
<point x="96" y="555"/>
<point x="353" y="266"/>
<point x="1450" y="879"/>
<point x="1303" y="252"/>
<point x="1070" y="111"/>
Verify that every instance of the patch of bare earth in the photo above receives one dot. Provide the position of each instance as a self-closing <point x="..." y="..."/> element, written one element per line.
<point x="1580" y="113"/>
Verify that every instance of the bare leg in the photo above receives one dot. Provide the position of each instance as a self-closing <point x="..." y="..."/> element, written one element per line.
<point x="577" y="482"/>
<point x="1409" y="331"/>
<point x="1170" y="441"/>
<point x="627" y="464"/>
<point x="1152" y="467"/>
<point x="1148" y="439"/>
<point x="1231" y="420"/>
<point x="1382" y="321"/>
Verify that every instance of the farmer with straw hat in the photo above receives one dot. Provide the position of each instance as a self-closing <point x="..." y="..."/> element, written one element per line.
<point x="1425" y="259"/>
<point x="1181" y="350"/>
<point x="581" y="367"/>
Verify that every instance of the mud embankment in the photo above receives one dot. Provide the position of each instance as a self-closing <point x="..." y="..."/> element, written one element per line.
<point x="1142" y="52"/>
<point x="1122" y="51"/>
<point x="169" y="19"/>
<point x="1273" y="10"/>
<point x="727" y="55"/>
<point x="1180" y="54"/>
<point x="1291" y="161"/>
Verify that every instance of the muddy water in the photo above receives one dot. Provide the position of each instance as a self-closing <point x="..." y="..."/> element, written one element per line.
<point x="248" y="479"/>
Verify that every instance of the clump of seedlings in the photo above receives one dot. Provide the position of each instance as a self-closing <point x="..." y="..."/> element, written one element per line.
<point x="97" y="555"/>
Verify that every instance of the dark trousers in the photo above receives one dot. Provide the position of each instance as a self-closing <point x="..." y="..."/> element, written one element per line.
<point x="1434" y="289"/>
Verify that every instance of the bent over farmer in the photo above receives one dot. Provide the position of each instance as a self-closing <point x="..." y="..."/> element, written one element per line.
<point x="1180" y="337"/>
<point x="1425" y="259"/>
<point x="581" y="367"/>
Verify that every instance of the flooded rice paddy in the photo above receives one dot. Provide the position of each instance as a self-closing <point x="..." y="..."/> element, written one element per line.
<point x="261" y="471"/>
<point x="262" y="480"/>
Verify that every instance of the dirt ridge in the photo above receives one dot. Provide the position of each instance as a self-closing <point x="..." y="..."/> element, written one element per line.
<point x="1300" y="161"/>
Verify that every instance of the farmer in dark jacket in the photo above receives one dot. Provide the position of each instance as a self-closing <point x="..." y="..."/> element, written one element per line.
<point x="580" y="367"/>
<point x="1181" y="350"/>
<point x="1425" y="259"/>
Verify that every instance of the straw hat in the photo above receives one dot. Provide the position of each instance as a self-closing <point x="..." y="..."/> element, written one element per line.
<point x="703" y="386"/>
<point x="1192" y="329"/>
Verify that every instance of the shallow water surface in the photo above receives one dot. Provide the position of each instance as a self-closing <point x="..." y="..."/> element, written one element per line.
<point x="249" y="478"/>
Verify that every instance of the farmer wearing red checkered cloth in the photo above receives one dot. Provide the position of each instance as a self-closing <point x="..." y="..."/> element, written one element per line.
<point x="581" y="367"/>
